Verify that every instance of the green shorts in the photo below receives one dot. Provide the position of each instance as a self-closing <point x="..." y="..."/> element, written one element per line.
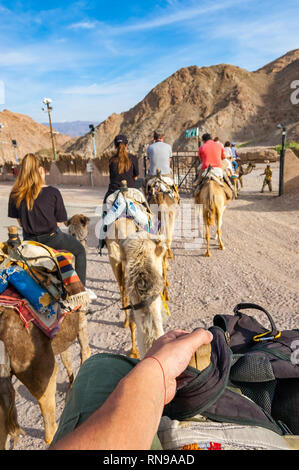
<point x="96" y="380"/>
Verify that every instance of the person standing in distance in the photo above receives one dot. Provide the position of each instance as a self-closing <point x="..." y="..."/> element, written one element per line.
<point x="159" y="154"/>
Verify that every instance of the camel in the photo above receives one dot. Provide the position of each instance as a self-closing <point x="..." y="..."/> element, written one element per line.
<point x="78" y="227"/>
<point x="213" y="200"/>
<point x="30" y="356"/>
<point x="167" y="200"/>
<point x="138" y="261"/>
<point x="245" y="171"/>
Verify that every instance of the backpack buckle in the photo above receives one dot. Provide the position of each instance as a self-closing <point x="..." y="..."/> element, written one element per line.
<point x="264" y="337"/>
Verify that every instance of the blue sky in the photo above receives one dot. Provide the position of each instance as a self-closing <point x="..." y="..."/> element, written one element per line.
<point x="94" y="58"/>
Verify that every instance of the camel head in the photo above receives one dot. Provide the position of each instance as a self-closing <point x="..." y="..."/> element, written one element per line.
<point x="78" y="227"/>
<point x="143" y="255"/>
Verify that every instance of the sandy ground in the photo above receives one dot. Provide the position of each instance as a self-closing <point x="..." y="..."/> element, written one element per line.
<point x="260" y="265"/>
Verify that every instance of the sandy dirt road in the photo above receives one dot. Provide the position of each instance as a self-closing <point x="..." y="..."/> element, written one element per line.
<point x="260" y="264"/>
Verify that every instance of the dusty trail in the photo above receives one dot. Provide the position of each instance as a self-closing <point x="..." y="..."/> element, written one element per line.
<point x="260" y="265"/>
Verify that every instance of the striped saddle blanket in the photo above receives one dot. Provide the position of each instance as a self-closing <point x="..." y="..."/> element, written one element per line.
<point x="42" y="286"/>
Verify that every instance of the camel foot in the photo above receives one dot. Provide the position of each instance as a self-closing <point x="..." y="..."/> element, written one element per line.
<point x="221" y="247"/>
<point x="208" y="254"/>
<point x="49" y="437"/>
<point x="134" y="354"/>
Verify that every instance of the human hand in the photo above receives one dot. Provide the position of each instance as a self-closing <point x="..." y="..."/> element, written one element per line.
<point x="174" y="351"/>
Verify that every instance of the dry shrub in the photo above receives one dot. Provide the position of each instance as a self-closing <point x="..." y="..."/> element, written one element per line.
<point x="102" y="162"/>
<point x="71" y="163"/>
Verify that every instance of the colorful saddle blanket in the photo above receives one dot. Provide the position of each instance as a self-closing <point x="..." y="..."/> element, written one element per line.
<point x="11" y="298"/>
<point x="45" y="286"/>
<point x="130" y="204"/>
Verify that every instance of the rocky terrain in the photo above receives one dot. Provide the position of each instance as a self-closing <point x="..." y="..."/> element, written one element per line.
<point x="225" y="100"/>
<point x="30" y="136"/>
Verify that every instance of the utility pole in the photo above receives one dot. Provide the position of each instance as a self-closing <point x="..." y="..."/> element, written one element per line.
<point x="14" y="144"/>
<point x="282" y="155"/>
<point x="92" y="133"/>
<point x="47" y="102"/>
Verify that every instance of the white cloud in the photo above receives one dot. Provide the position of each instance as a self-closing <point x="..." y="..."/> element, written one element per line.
<point x="179" y="14"/>
<point x="16" y="58"/>
<point x="83" y="25"/>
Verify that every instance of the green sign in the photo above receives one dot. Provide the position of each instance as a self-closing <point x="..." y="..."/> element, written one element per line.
<point x="194" y="132"/>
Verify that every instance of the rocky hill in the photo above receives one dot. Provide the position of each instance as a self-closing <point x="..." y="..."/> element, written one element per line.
<point x="225" y="100"/>
<point x="30" y="136"/>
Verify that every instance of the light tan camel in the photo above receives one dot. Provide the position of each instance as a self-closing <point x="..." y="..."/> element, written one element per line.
<point x="30" y="356"/>
<point x="167" y="207"/>
<point x="138" y="263"/>
<point x="212" y="200"/>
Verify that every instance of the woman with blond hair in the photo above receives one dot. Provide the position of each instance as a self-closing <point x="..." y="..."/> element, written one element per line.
<point x="122" y="166"/>
<point x="40" y="210"/>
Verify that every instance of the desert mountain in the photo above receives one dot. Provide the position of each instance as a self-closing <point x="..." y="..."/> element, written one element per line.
<point x="30" y="136"/>
<point x="227" y="101"/>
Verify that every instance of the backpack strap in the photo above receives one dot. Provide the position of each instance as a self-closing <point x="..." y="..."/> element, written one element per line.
<point x="274" y="333"/>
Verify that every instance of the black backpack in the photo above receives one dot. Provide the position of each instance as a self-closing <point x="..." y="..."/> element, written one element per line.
<point x="252" y="379"/>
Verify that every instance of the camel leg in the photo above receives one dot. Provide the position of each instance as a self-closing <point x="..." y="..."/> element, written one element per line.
<point x="166" y="283"/>
<point x="208" y="253"/>
<point x="134" y="351"/>
<point x="47" y="406"/>
<point x="124" y="297"/>
<point x="219" y="232"/>
<point x="66" y="359"/>
<point x="200" y="220"/>
<point x="235" y="188"/>
<point x="169" y="229"/>
<point x="85" y="352"/>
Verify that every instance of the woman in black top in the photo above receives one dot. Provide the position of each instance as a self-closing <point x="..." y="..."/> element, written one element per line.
<point x="40" y="211"/>
<point x="122" y="166"/>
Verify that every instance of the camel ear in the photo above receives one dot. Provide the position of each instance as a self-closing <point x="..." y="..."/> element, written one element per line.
<point x="114" y="251"/>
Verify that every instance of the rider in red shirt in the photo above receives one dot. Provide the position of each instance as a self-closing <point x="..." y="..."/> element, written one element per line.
<point x="210" y="153"/>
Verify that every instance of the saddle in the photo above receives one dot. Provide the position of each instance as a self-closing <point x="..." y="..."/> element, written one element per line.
<point x="41" y="285"/>
<point x="125" y="202"/>
<point x="159" y="183"/>
<point x="215" y="174"/>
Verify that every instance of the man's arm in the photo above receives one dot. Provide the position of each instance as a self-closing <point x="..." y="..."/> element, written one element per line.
<point x="130" y="416"/>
